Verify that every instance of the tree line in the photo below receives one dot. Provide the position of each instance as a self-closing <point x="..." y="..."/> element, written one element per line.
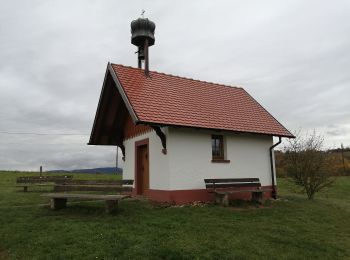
<point x="339" y="162"/>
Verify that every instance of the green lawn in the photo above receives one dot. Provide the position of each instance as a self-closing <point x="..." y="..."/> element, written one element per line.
<point x="290" y="228"/>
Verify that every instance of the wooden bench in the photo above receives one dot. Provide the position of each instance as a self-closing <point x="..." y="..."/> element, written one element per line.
<point x="31" y="181"/>
<point x="59" y="200"/>
<point x="119" y="186"/>
<point x="222" y="188"/>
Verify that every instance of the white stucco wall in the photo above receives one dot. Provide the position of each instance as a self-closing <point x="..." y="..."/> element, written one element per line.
<point x="158" y="162"/>
<point x="190" y="158"/>
<point x="188" y="161"/>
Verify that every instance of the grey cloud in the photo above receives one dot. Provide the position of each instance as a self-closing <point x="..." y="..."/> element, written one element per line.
<point x="338" y="130"/>
<point x="293" y="57"/>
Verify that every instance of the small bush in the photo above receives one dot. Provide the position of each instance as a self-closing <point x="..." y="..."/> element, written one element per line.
<point x="307" y="165"/>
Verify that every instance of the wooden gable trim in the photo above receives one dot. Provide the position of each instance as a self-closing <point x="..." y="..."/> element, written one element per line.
<point x="108" y="116"/>
<point x="132" y="130"/>
<point x="122" y="93"/>
<point x="112" y="110"/>
<point x="115" y="119"/>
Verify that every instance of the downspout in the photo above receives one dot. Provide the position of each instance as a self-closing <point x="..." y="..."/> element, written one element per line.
<point x="274" y="192"/>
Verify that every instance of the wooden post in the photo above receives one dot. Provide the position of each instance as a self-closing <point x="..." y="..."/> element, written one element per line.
<point x="41" y="170"/>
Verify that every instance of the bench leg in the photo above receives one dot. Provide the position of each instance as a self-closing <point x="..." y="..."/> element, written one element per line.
<point x="222" y="199"/>
<point x="25" y="188"/>
<point x="218" y="198"/>
<point x="58" y="203"/>
<point x="111" y="206"/>
<point x="257" y="196"/>
<point x="225" y="200"/>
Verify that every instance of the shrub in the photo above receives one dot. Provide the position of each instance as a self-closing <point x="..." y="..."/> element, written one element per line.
<point x="307" y="165"/>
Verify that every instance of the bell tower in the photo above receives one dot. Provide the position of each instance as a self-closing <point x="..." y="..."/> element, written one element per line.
<point x="142" y="35"/>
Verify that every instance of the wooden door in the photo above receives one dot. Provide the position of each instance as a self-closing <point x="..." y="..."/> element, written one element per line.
<point x="142" y="170"/>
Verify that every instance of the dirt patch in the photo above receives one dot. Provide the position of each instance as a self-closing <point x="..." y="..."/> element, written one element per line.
<point x="155" y="204"/>
<point x="3" y="254"/>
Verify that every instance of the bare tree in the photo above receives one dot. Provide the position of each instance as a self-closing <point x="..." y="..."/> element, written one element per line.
<point x="307" y="165"/>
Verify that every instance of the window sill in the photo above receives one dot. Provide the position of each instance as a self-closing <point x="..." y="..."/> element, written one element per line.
<point x="220" y="161"/>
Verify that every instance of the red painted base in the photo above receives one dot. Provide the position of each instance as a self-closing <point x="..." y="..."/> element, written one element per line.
<point x="188" y="196"/>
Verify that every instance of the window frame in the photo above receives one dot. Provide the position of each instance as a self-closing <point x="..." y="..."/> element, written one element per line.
<point x="218" y="150"/>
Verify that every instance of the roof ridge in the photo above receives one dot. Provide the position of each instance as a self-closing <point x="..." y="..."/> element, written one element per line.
<point x="181" y="77"/>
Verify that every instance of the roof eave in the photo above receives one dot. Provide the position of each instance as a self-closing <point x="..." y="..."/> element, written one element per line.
<point x="212" y="129"/>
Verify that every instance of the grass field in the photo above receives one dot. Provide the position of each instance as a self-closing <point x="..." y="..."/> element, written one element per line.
<point x="290" y="228"/>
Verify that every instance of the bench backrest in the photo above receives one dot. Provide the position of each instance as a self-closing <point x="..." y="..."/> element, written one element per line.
<point x="119" y="186"/>
<point x="94" y="182"/>
<point x="43" y="179"/>
<point x="232" y="183"/>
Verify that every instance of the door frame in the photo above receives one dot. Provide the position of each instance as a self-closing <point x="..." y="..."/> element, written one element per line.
<point x="138" y="180"/>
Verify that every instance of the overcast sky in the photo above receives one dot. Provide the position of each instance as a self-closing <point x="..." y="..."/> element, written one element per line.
<point x="292" y="56"/>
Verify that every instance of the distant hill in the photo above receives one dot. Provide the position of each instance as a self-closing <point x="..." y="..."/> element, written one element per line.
<point x="107" y="170"/>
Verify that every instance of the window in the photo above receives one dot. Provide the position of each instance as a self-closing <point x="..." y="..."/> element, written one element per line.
<point x="217" y="144"/>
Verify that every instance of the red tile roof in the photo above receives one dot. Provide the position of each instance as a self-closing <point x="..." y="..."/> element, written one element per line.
<point x="172" y="100"/>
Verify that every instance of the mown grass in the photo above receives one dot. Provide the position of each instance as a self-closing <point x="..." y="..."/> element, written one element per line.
<point x="290" y="228"/>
